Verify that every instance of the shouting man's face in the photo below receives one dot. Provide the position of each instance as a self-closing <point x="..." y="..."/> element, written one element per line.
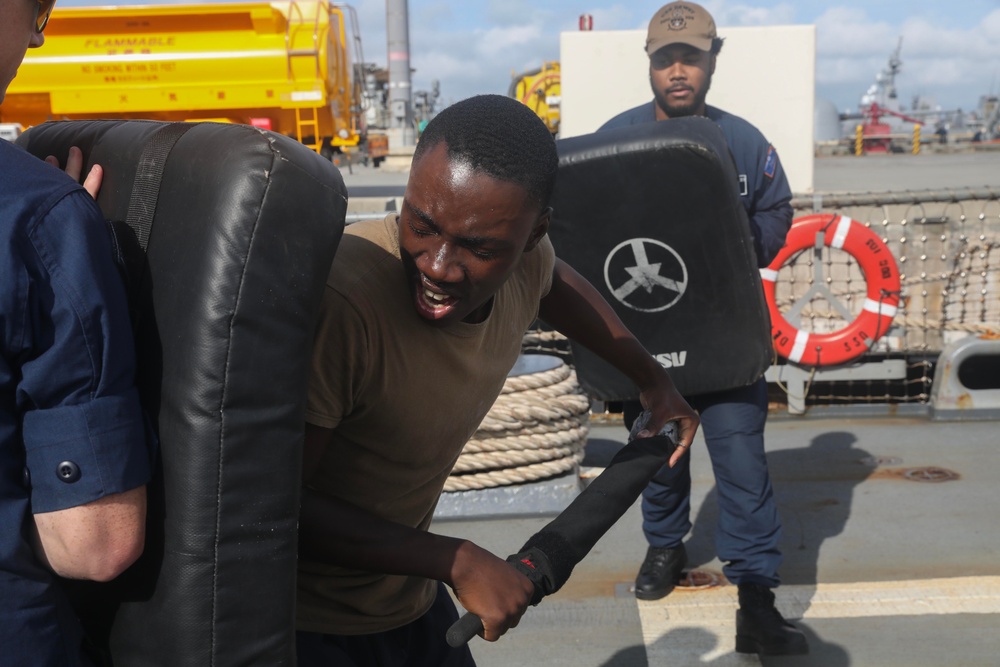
<point x="461" y="234"/>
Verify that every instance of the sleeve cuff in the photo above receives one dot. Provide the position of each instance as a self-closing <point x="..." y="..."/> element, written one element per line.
<point x="76" y="454"/>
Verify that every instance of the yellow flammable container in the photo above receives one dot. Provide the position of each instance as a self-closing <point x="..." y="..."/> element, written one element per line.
<point x="284" y="66"/>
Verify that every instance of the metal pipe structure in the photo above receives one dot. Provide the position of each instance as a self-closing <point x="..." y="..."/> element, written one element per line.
<point x="400" y="89"/>
<point x="818" y="201"/>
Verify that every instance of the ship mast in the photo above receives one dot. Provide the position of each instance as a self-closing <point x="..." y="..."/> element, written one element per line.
<point x="883" y="91"/>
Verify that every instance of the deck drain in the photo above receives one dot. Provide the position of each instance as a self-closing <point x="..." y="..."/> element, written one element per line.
<point x="700" y="580"/>
<point x="881" y="461"/>
<point x="931" y="474"/>
<point x="694" y="580"/>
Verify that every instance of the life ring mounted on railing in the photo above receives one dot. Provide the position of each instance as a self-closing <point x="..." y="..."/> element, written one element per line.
<point x="881" y="301"/>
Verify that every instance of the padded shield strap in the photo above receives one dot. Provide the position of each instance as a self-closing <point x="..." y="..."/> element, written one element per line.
<point x="146" y="187"/>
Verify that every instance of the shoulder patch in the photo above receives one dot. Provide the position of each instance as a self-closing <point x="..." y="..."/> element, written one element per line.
<point x="771" y="162"/>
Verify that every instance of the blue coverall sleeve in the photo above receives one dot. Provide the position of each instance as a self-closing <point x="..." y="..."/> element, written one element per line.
<point x="82" y="429"/>
<point x="771" y="209"/>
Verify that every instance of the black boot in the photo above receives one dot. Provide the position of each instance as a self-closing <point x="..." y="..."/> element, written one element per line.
<point x="761" y="629"/>
<point x="659" y="572"/>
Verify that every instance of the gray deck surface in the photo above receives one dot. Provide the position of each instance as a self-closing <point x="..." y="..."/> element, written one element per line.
<point x="882" y="569"/>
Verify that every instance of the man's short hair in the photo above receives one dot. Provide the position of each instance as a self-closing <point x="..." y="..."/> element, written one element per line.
<point x="500" y="137"/>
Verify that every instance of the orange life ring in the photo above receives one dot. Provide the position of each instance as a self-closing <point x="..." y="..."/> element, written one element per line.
<point x="882" y="296"/>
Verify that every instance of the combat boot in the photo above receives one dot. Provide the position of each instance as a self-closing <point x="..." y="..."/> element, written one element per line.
<point x="659" y="572"/>
<point x="761" y="629"/>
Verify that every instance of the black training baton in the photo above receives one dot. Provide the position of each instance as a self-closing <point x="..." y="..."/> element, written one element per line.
<point x="549" y="556"/>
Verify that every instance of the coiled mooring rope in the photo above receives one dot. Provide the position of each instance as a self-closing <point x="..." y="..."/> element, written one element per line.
<point x="537" y="428"/>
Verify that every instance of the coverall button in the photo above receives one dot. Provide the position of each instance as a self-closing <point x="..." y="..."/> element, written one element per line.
<point x="68" y="472"/>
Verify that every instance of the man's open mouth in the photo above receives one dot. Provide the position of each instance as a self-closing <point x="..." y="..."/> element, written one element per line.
<point x="432" y="304"/>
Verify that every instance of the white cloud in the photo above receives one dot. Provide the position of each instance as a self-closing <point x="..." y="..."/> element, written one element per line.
<point x="433" y="13"/>
<point x="847" y="33"/>
<point x="981" y="42"/>
<point x="508" y="43"/>
<point x="507" y="13"/>
<point x="726" y="13"/>
<point x="943" y="62"/>
<point x="480" y="61"/>
<point x="471" y="55"/>
<point x="614" y="17"/>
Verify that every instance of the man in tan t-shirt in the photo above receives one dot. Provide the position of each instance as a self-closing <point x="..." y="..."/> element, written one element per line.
<point x="421" y="322"/>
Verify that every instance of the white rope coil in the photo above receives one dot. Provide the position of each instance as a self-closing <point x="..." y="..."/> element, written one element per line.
<point x="510" y="476"/>
<point x="571" y="432"/>
<point x="539" y="380"/>
<point x="510" y="459"/>
<point x="532" y="411"/>
<point x="537" y="428"/>
<point x="538" y="336"/>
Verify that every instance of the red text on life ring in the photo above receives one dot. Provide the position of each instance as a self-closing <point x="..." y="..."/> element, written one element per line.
<point x="881" y="299"/>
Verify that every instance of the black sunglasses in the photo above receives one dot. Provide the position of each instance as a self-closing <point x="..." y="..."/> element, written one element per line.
<point x="44" y="10"/>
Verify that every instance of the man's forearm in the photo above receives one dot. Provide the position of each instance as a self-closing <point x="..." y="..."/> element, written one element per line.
<point x="339" y="533"/>
<point x="96" y="541"/>
<point x="577" y="310"/>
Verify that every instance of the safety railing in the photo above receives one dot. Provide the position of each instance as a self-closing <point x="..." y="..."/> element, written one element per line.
<point x="947" y="247"/>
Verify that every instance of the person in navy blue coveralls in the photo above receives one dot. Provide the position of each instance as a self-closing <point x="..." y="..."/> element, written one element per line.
<point x="682" y="46"/>
<point x="73" y="455"/>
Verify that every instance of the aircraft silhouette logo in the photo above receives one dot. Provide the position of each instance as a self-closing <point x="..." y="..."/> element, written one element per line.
<point x="645" y="275"/>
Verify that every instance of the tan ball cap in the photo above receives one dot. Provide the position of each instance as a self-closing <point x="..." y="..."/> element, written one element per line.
<point x="681" y="23"/>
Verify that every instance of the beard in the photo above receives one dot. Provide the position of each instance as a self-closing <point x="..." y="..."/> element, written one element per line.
<point x="676" y="110"/>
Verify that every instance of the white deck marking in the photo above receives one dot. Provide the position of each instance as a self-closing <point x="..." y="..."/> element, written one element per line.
<point x="690" y="627"/>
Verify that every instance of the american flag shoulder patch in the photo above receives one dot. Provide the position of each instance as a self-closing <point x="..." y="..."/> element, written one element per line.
<point x="771" y="162"/>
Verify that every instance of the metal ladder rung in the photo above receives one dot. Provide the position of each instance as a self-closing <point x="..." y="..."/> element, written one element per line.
<point x="304" y="122"/>
<point x="314" y="52"/>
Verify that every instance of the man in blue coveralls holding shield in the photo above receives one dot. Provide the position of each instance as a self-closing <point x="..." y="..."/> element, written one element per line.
<point x="682" y="45"/>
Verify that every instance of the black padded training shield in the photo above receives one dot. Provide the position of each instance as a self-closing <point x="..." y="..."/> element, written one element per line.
<point x="651" y="216"/>
<point x="245" y="227"/>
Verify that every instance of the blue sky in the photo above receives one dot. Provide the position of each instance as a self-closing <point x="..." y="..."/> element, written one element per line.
<point x="950" y="51"/>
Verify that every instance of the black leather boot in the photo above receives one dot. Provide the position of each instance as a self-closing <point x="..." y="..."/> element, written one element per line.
<point x="761" y="629"/>
<point x="660" y="572"/>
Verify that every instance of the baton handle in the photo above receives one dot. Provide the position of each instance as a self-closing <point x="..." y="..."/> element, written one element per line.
<point x="463" y="630"/>
<point x="529" y="562"/>
<point x="549" y="556"/>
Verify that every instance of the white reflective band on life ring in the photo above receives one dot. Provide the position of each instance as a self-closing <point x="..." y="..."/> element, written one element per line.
<point x="801" y="338"/>
<point x="843" y="227"/>
<point x="880" y="308"/>
<point x="769" y="274"/>
<point x="882" y="291"/>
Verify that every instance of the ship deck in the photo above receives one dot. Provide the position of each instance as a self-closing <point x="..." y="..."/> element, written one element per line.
<point x="891" y="553"/>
